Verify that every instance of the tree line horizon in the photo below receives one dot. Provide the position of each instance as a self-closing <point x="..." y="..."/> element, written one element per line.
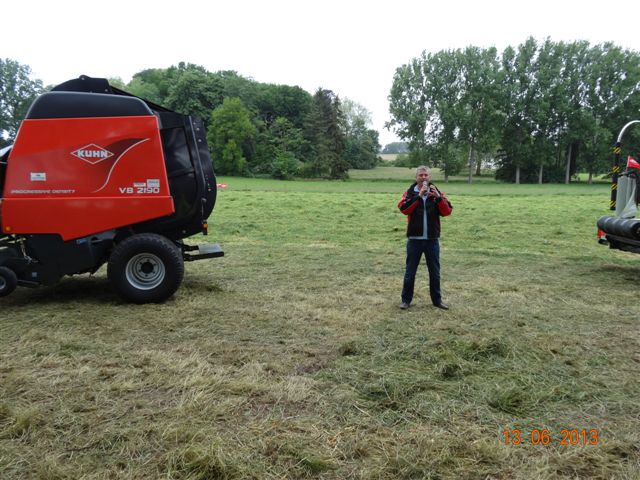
<point x="253" y="128"/>
<point x="538" y="112"/>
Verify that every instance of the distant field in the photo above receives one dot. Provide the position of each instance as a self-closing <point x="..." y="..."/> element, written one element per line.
<point x="407" y="173"/>
<point x="289" y="358"/>
<point x="389" y="157"/>
<point x="404" y="173"/>
<point x="378" y="184"/>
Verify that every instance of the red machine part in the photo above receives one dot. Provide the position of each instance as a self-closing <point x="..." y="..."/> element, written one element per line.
<point x="79" y="176"/>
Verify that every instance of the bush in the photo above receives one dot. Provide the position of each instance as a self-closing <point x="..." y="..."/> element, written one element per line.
<point x="285" y="166"/>
<point x="402" y="160"/>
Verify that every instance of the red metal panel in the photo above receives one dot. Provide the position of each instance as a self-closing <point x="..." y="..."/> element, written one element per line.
<point x="76" y="177"/>
<point x="79" y="217"/>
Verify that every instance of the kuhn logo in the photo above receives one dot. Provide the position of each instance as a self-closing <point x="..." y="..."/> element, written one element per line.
<point x="92" y="154"/>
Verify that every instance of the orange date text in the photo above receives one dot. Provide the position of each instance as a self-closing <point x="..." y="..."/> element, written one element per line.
<point x="544" y="436"/>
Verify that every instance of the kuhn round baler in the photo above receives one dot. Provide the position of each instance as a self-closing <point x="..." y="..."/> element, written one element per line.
<point x="97" y="176"/>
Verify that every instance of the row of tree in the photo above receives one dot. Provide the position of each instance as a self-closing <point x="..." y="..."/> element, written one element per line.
<point x="253" y="127"/>
<point x="17" y="91"/>
<point x="396" y="147"/>
<point x="540" y="111"/>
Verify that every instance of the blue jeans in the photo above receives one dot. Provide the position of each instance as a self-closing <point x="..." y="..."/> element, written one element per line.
<point x="415" y="250"/>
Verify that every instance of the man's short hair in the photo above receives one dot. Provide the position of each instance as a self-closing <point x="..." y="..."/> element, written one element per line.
<point x="422" y="167"/>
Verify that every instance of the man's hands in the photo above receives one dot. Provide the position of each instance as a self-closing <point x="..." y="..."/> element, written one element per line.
<point x="429" y="190"/>
<point x="433" y="192"/>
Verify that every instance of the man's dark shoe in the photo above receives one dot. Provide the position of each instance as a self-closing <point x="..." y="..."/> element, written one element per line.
<point x="441" y="305"/>
<point x="404" y="306"/>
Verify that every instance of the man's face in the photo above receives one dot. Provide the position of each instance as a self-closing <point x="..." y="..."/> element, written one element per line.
<point x="422" y="176"/>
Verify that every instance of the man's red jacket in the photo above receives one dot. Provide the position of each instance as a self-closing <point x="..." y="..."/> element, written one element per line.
<point x="414" y="206"/>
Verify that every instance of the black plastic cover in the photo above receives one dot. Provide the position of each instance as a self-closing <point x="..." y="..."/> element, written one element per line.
<point x="192" y="182"/>
<point x="86" y="105"/>
<point x="84" y="84"/>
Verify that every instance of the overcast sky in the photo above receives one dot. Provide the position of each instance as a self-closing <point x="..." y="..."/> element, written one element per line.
<point x="350" y="46"/>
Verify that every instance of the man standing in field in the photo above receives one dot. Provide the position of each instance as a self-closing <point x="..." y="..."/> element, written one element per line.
<point x="424" y="204"/>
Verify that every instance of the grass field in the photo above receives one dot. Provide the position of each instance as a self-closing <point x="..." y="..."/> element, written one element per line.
<point x="289" y="357"/>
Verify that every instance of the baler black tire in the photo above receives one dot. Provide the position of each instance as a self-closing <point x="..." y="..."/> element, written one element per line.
<point x="8" y="281"/>
<point x="154" y="253"/>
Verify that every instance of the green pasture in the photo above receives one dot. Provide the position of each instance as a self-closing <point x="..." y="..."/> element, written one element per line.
<point x="394" y="179"/>
<point x="289" y="357"/>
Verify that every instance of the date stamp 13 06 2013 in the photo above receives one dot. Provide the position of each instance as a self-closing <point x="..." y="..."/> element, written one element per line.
<point x="544" y="436"/>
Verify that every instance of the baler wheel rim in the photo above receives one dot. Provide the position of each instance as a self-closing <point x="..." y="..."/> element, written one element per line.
<point x="141" y="279"/>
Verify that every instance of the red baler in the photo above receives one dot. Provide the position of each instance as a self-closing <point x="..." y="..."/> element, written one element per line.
<point x="97" y="176"/>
